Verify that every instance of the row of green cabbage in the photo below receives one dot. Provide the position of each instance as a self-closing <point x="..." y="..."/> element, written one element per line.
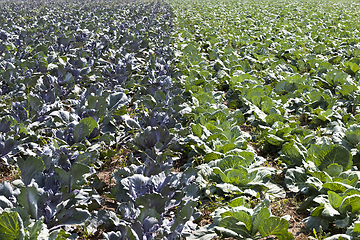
<point x="291" y="77"/>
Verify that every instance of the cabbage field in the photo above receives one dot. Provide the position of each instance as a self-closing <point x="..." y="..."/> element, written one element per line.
<point x="180" y="119"/>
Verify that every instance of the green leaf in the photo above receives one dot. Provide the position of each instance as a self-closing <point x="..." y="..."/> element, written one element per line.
<point x="28" y="198"/>
<point x="322" y="176"/>
<point x="38" y="230"/>
<point x="190" y="49"/>
<point x="349" y="177"/>
<point x="69" y="78"/>
<point x="11" y="226"/>
<point x="325" y="115"/>
<point x="203" y="233"/>
<point x="260" y="115"/>
<point x="295" y="151"/>
<point x="88" y="157"/>
<point x="237" y="202"/>
<point x="116" y="100"/>
<point x="75" y="177"/>
<point x="314" y="182"/>
<point x="356" y="227"/>
<point x="226" y="232"/>
<point x="97" y="103"/>
<point x="228" y="147"/>
<point x="274" y="117"/>
<point x="352" y="135"/>
<point x="238" y="117"/>
<point x="228" y="188"/>
<point x="197" y="129"/>
<point x="295" y="179"/>
<point x="213" y="156"/>
<point x="232" y="161"/>
<point x="273" y="226"/>
<point x="90" y="123"/>
<point x="316" y="223"/>
<point x="255" y="95"/>
<point x="29" y="168"/>
<point x="237" y="176"/>
<point x="274" y="190"/>
<point x="329" y="211"/>
<point x="240" y="215"/>
<point x="64" y="116"/>
<point x="258" y="218"/>
<point x="84" y="128"/>
<point x="334" y="169"/>
<point x="319" y="49"/>
<point x="285" y="87"/>
<point x="35" y="103"/>
<point x="330" y="154"/>
<point x="59" y="234"/>
<point x="78" y="170"/>
<point x="275" y="140"/>
<point x="350" y="204"/>
<point x="352" y="68"/>
<point x="336" y="186"/>
<point x="69" y="216"/>
<point x="222" y="175"/>
<point x="233" y="224"/>
<point x="24" y="215"/>
<point x="334" y="199"/>
<point x="233" y="134"/>
<point x="352" y="191"/>
<point x="347" y="90"/>
<point x="343" y="223"/>
<point x="215" y="136"/>
<point x="335" y="59"/>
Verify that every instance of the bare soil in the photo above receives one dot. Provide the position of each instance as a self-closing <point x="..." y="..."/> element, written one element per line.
<point x="105" y="174"/>
<point x="289" y="206"/>
<point x="179" y="163"/>
<point x="206" y="219"/>
<point x="7" y="174"/>
<point x="246" y="128"/>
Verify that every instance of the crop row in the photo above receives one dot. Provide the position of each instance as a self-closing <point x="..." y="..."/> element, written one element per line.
<point x="291" y="74"/>
<point x="245" y="93"/>
<point x="80" y="82"/>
